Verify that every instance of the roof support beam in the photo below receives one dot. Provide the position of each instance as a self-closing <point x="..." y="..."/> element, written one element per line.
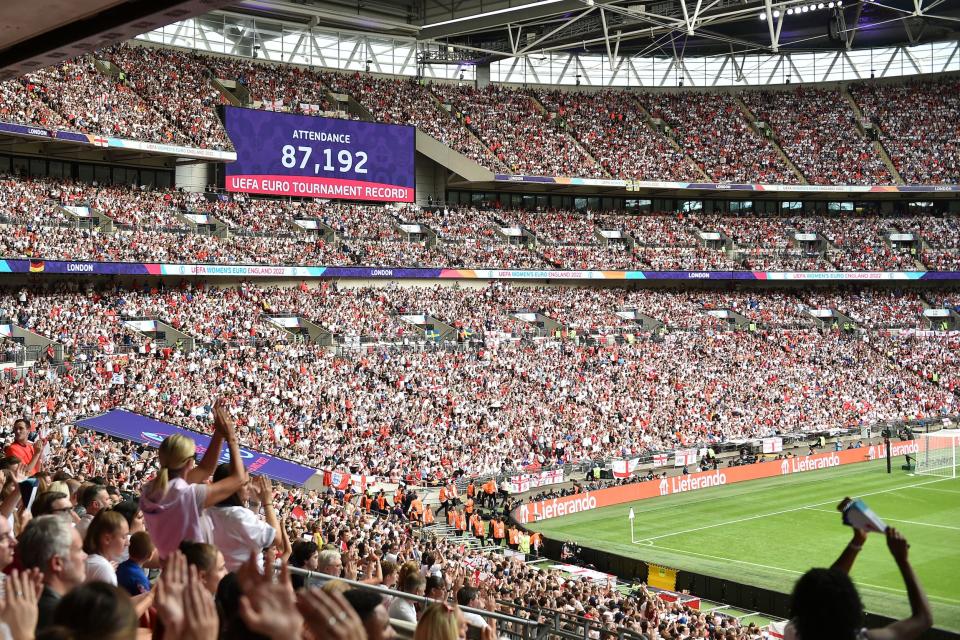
<point x="555" y="30"/>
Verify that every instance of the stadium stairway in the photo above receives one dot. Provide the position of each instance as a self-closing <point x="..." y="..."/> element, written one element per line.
<point x="539" y="106"/>
<point x="494" y="162"/>
<point x="752" y="121"/>
<point x="878" y="143"/>
<point x="648" y="120"/>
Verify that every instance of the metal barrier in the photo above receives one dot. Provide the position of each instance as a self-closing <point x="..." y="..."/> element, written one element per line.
<point x="508" y="626"/>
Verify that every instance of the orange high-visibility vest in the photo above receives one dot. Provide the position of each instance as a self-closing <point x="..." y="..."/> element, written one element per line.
<point x="427" y="515"/>
<point x="471" y="490"/>
<point x="489" y="487"/>
<point x="366" y="502"/>
<point x="514" y="535"/>
<point x="498" y="530"/>
<point x="462" y="522"/>
<point x="452" y="518"/>
<point x="469" y="505"/>
<point x="443" y="494"/>
<point x="381" y="502"/>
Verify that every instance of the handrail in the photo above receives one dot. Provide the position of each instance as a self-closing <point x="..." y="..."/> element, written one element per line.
<point x="324" y="578"/>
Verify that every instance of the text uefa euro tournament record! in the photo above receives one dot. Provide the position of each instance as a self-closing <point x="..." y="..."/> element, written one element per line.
<point x="286" y="154"/>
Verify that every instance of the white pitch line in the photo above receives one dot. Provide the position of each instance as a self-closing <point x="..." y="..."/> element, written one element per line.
<point x="794" y="571"/>
<point x="781" y="512"/>
<point x="922" y="524"/>
<point x="660" y="506"/>
<point x="956" y="493"/>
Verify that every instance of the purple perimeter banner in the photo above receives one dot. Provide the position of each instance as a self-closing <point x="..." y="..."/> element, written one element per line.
<point x="293" y="155"/>
<point x="133" y="426"/>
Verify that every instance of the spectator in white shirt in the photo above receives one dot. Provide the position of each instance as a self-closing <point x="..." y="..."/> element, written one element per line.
<point x="238" y="531"/>
<point x="104" y="543"/>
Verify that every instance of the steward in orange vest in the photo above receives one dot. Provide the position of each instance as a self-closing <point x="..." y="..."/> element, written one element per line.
<point x="427" y="516"/>
<point x="513" y="539"/>
<point x="499" y="532"/>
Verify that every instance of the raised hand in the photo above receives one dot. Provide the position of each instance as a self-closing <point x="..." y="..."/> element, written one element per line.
<point x="330" y="616"/>
<point x="200" y="610"/>
<point x="897" y="544"/>
<point x="264" y="489"/>
<point x="223" y="422"/>
<point x="266" y="607"/>
<point x="18" y="606"/>
<point x="170" y="594"/>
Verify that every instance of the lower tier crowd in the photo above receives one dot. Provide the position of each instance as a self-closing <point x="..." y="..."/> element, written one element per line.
<point x="82" y="558"/>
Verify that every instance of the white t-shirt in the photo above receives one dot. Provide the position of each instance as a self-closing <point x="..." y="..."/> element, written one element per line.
<point x="237" y="532"/>
<point x="99" y="569"/>
<point x="401" y="609"/>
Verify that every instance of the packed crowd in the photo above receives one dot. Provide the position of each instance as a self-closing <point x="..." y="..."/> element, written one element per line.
<point x="154" y="225"/>
<point x="177" y="84"/>
<point x="94" y="102"/>
<point x="914" y="119"/>
<point x="166" y="95"/>
<point x="817" y="129"/>
<point x="504" y="404"/>
<point x="402" y="101"/>
<point x="714" y="132"/>
<point x="515" y="128"/>
<point x="612" y="127"/>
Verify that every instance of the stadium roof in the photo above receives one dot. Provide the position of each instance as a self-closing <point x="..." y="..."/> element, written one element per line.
<point x="37" y="33"/>
<point x="495" y="29"/>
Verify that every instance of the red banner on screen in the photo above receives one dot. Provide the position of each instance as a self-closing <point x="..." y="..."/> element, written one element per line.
<point x="310" y="187"/>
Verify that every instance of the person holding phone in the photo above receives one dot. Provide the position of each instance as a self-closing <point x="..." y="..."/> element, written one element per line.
<point x="825" y="604"/>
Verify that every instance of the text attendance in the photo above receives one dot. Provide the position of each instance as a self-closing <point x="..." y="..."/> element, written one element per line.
<point x="307" y="156"/>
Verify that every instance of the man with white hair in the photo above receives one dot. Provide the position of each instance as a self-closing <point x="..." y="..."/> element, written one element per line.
<point x="53" y="545"/>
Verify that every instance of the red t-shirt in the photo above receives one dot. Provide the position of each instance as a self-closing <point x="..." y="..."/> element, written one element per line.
<point x="23" y="452"/>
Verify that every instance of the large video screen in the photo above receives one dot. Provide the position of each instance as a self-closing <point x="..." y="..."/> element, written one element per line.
<point x="307" y="156"/>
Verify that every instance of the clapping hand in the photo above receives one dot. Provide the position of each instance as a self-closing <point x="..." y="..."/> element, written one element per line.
<point x="18" y="606"/>
<point x="330" y="616"/>
<point x="223" y="422"/>
<point x="268" y="607"/>
<point x="170" y="593"/>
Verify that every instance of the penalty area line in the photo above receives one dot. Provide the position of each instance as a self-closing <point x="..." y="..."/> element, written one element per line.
<point x="644" y="540"/>
<point x="793" y="571"/>
<point x="921" y="524"/>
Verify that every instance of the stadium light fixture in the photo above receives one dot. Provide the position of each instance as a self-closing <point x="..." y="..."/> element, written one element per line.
<point x="790" y="11"/>
<point x="763" y="15"/>
<point x="776" y="14"/>
<point x="496" y="12"/>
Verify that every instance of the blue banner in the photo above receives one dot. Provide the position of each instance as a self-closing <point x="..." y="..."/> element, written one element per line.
<point x="133" y="426"/>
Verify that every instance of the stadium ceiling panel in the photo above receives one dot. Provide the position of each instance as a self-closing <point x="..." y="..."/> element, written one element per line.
<point x="495" y="29"/>
<point x="39" y="33"/>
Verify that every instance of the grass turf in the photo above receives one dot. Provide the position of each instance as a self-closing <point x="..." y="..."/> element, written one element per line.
<point x="768" y="532"/>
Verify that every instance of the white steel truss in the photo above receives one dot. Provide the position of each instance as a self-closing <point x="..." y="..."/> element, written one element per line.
<point x="395" y="55"/>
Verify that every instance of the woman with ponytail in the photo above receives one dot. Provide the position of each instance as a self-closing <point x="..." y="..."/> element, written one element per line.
<point x="174" y="501"/>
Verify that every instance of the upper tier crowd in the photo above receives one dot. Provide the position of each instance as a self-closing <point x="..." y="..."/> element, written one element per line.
<point x="155" y="225"/>
<point x="168" y="95"/>
<point x="500" y="401"/>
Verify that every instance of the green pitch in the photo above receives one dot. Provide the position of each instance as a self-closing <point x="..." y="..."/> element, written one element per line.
<point x="768" y="532"/>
